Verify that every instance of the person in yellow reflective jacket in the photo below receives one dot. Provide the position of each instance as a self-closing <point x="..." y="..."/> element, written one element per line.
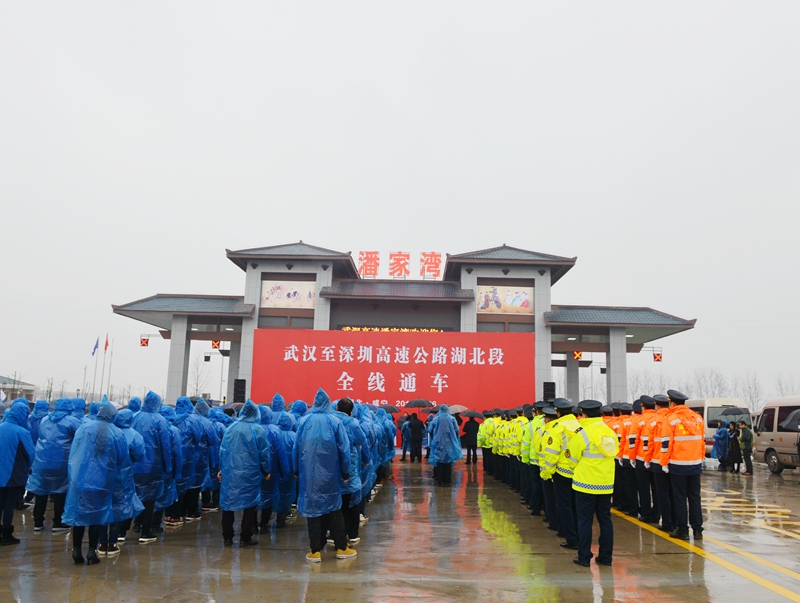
<point x="558" y="465"/>
<point x="548" y="493"/>
<point x="592" y="453"/>
<point x="530" y="459"/>
<point x="487" y="442"/>
<point x="515" y="431"/>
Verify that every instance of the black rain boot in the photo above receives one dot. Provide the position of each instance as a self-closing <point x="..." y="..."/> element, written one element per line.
<point x="8" y="538"/>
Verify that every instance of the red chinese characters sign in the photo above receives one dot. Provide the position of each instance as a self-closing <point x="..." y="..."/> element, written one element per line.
<point x="479" y="370"/>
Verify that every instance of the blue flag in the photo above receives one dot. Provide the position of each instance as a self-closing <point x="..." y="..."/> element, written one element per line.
<point x="96" y="345"/>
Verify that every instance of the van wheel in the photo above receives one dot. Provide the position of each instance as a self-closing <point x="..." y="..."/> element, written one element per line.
<point x="773" y="462"/>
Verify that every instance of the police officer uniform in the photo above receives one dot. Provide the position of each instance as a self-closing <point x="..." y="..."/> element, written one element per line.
<point x="628" y="446"/>
<point x="592" y="453"/>
<point x="548" y="491"/>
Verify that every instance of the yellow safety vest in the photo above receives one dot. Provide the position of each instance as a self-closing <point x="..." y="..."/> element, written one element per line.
<point x="592" y="453"/>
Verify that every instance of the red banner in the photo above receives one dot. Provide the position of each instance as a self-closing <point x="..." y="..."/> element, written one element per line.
<point x="478" y="370"/>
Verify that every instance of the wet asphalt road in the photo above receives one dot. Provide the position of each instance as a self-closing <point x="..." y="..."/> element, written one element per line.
<point x="471" y="542"/>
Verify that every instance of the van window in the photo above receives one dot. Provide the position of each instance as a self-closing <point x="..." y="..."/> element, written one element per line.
<point x="700" y="410"/>
<point x="783" y="414"/>
<point x="715" y="414"/>
<point x="767" y="424"/>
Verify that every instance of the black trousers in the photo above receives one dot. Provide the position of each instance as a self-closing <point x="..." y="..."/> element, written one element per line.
<point x="191" y="501"/>
<point x="211" y="497"/>
<point x="248" y="524"/>
<point x="472" y="451"/>
<point x="646" y="483"/>
<point x="664" y="495"/>
<point x="351" y="516"/>
<point x="9" y="497"/>
<point x="747" y="453"/>
<point x="487" y="460"/>
<point x="620" y="500"/>
<point x="146" y="517"/>
<point x="318" y="526"/>
<point x="525" y="482"/>
<point x="77" y="536"/>
<point x="590" y="506"/>
<point x="537" y="497"/>
<point x="631" y="490"/>
<point x="444" y="473"/>
<point x="40" y="506"/>
<point x="416" y="450"/>
<point x="549" y="499"/>
<point x="686" y="491"/>
<point x="565" y="508"/>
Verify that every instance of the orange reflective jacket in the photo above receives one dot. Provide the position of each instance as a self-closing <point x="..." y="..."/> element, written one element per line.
<point x="684" y="443"/>
<point x="642" y="433"/>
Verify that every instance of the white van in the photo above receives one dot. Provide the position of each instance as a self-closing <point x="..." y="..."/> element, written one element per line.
<point x="774" y="444"/>
<point x="711" y="410"/>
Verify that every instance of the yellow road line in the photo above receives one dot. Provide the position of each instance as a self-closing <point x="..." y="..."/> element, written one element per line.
<point x="778" y="530"/>
<point x="776" y="588"/>
<point x="753" y="557"/>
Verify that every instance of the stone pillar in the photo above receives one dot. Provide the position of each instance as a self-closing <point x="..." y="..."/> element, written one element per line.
<point x="322" y="306"/>
<point x="541" y="304"/>
<point x="233" y="368"/>
<point x="469" y="310"/>
<point x="178" y="367"/>
<point x="616" y="366"/>
<point x="252" y="295"/>
<point x="573" y="379"/>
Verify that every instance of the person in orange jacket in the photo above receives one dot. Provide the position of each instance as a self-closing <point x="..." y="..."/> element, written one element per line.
<point x="615" y="423"/>
<point x="628" y="447"/>
<point x="683" y="455"/>
<point x="652" y="460"/>
<point x="645" y="480"/>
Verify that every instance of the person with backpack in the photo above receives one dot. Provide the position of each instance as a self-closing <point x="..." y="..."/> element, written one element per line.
<point x="746" y="441"/>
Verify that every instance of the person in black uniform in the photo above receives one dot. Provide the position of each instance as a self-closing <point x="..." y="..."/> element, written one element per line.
<point x="416" y="429"/>
<point x="548" y="490"/>
<point x="471" y="440"/>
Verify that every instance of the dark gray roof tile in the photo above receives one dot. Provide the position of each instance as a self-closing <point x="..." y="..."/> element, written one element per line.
<point x="609" y="315"/>
<point x="189" y="304"/>
<point x="292" y="249"/>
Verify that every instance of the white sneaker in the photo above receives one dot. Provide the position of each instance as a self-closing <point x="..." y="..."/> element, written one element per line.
<point x="363" y="519"/>
<point x="354" y="540"/>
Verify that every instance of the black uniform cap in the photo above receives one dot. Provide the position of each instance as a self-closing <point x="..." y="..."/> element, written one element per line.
<point x="562" y="404"/>
<point x="660" y="398"/>
<point x="549" y="411"/>
<point x="607" y="410"/>
<point x="625" y="407"/>
<point x="676" y="396"/>
<point x="637" y="407"/>
<point x="615" y="405"/>
<point x="648" y="402"/>
<point x="540" y="405"/>
<point x="590" y="405"/>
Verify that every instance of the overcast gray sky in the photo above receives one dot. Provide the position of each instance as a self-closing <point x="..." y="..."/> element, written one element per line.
<point x="658" y="143"/>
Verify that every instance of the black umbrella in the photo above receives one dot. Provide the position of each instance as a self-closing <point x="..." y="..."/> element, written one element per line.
<point x="734" y="410"/>
<point x="390" y="409"/>
<point x="792" y="422"/>
<point x="472" y="413"/>
<point x="430" y="410"/>
<point x="371" y="407"/>
<point x="419" y="403"/>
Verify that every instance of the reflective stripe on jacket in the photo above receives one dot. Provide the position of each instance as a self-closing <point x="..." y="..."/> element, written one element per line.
<point x="592" y="453"/>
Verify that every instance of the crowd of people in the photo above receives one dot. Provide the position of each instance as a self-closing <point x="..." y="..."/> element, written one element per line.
<point x="575" y="462"/>
<point x="733" y="443"/>
<point x="110" y="472"/>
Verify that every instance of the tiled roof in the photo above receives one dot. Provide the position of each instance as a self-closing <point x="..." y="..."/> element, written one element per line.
<point x="398" y="289"/>
<point x="189" y="304"/>
<point x="292" y="249"/>
<point x="507" y="253"/>
<point x="17" y="382"/>
<point x="608" y="315"/>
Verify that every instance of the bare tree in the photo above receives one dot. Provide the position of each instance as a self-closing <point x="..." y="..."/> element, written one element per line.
<point x="747" y="387"/>
<point x="709" y="383"/>
<point x="198" y="375"/>
<point x="786" y="385"/>
<point x="110" y="392"/>
<point x="48" y="388"/>
<point x="125" y="394"/>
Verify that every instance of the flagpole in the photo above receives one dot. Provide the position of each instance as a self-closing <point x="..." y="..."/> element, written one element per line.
<point x="110" y="364"/>
<point x="83" y="386"/>
<point x="94" y="379"/>
<point x="103" y="374"/>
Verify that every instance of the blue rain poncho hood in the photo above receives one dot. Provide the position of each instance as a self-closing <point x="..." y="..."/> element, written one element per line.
<point x="14" y="435"/>
<point x="78" y="408"/>
<point x="445" y="442"/>
<point x="244" y="461"/>
<point x="206" y="453"/>
<point x="94" y="408"/>
<point x="202" y="408"/>
<point x="135" y="404"/>
<point x="99" y="466"/>
<point x="49" y="474"/>
<point x="149" y="473"/>
<point x="168" y="412"/>
<point x="721" y="437"/>
<point x="299" y="409"/>
<point x="183" y="408"/>
<point x="124" y="419"/>
<point x="322" y="459"/>
<point x="285" y="422"/>
<point x="218" y="415"/>
<point x="278" y="403"/>
<point x="40" y="409"/>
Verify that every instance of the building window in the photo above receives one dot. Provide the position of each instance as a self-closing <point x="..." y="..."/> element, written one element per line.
<point x="491" y="327"/>
<point x="299" y="322"/>
<point x="520" y="327"/>
<point x="273" y="322"/>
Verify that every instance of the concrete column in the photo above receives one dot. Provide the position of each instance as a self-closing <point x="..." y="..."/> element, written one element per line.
<point x="616" y="366"/>
<point x="233" y="368"/>
<point x="178" y="367"/>
<point x="469" y="310"/>
<point x="322" y="306"/>
<point x="252" y="295"/>
<point x="541" y="304"/>
<point x="573" y="379"/>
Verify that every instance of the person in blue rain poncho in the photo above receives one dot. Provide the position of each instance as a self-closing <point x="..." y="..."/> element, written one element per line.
<point x="125" y="482"/>
<point x="298" y="411"/>
<point x="208" y="463"/>
<point x="245" y="463"/>
<point x="382" y="442"/>
<point x="94" y="408"/>
<point x="50" y="476"/>
<point x="445" y="445"/>
<point x="135" y="405"/>
<point x="211" y="496"/>
<point x="97" y="466"/>
<point x="194" y="444"/>
<point x="280" y="467"/>
<point x="170" y="495"/>
<point x="279" y="408"/>
<point x="321" y="458"/>
<point x="79" y="409"/>
<point x="17" y="454"/>
<point x="288" y="483"/>
<point x="359" y="456"/>
<point x="149" y="473"/>
<point x="40" y="410"/>
<point x="720" y="449"/>
<point x="362" y="414"/>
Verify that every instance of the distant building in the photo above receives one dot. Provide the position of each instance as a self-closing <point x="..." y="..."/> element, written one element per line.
<point x="14" y="388"/>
